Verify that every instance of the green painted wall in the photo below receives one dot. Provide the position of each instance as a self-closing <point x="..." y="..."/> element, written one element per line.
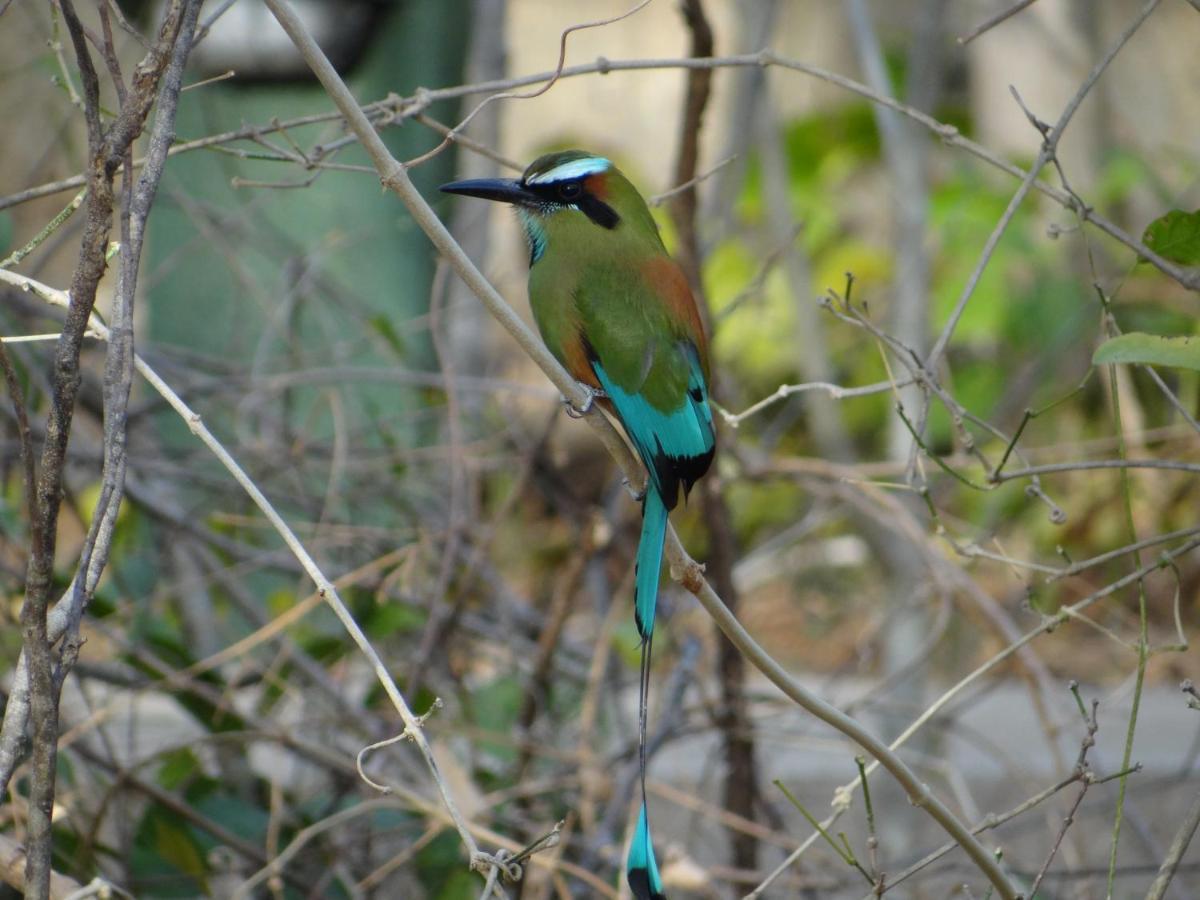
<point x="321" y="277"/>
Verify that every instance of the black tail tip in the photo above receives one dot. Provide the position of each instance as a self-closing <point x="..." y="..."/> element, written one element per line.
<point x="644" y="631"/>
<point x="639" y="883"/>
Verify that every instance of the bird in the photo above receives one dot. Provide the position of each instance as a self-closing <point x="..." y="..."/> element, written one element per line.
<point x="616" y="310"/>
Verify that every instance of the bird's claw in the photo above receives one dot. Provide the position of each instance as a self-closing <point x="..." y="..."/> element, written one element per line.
<point x="638" y="494"/>
<point x="578" y="412"/>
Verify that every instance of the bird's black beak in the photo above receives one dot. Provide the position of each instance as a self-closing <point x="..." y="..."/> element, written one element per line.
<point x="501" y="189"/>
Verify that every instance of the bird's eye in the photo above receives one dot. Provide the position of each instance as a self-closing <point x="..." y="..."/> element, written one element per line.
<point x="570" y="191"/>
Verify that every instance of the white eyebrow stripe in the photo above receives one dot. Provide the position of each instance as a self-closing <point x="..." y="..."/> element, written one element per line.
<point x="576" y="168"/>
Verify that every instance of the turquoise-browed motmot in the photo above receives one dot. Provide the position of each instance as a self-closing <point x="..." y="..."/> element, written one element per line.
<point x="616" y="310"/>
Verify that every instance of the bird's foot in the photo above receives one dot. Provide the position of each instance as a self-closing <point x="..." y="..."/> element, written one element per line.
<point x="578" y="412"/>
<point x="638" y="494"/>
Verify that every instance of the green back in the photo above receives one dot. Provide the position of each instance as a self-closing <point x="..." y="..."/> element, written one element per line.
<point x="594" y="280"/>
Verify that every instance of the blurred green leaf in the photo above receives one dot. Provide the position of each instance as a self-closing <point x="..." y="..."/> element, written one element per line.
<point x="176" y="767"/>
<point x="1150" y="349"/>
<point x="242" y="816"/>
<point x="324" y="647"/>
<point x="394" y="618"/>
<point x="175" y="845"/>
<point x="165" y="840"/>
<point x="849" y="129"/>
<point x="440" y="866"/>
<point x="160" y="638"/>
<point x="72" y="854"/>
<point x="495" y="705"/>
<point x="1123" y="173"/>
<point x="461" y="885"/>
<point x="1175" y="236"/>
<point x="963" y="212"/>
<point x="280" y="601"/>
<point x="383" y="326"/>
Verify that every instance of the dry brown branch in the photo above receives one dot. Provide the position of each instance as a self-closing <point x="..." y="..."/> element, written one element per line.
<point x="506" y="520"/>
<point x="12" y="872"/>
<point x="396" y="108"/>
<point x="394" y="176"/>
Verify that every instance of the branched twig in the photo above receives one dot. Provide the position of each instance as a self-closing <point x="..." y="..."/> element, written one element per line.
<point x="108" y="146"/>
<point x="741" y="790"/>
<point x="324" y="587"/>
<point x="453" y="133"/>
<point x="396" y="108"/>
<point x="843" y="850"/>
<point x="1080" y="774"/>
<point x="1049" y="150"/>
<point x="394" y="176"/>
<point x="835" y="391"/>
<point x="918" y="792"/>
<point x="1050" y="623"/>
<point x="52" y="226"/>
<point x="993" y="21"/>
<point x="1085" y="778"/>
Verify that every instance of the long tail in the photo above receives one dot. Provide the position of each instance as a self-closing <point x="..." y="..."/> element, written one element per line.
<point x="642" y="867"/>
<point x="649" y="561"/>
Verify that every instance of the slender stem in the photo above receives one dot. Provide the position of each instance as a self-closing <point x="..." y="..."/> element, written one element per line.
<point x="395" y="177"/>
<point x="324" y="586"/>
<point x="393" y="110"/>
<point x="1062" y="833"/>
<point x="1047" y="153"/>
<point x="1085" y="464"/>
<point x="993" y="21"/>
<point x="843" y="850"/>
<point x="53" y="225"/>
<point x="1143" y="627"/>
<point x="1179" y="845"/>
<point x="918" y="792"/>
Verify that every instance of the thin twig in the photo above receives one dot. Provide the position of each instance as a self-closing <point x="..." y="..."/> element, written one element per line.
<point x="395" y="177"/>
<point x="1179" y="844"/>
<point x="53" y="225"/>
<point x="948" y="134"/>
<point x="1087" y="464"/>
<point x="472" y="145"/>
<point x="1047" y="153"/>
<point x="989" y="24"/>
<point x="108" y="145"/>
<point x="659" y="199"/>
<point x="529" y="95"/>
<point x="835" y="391"/>
<point x="324" y="587"/>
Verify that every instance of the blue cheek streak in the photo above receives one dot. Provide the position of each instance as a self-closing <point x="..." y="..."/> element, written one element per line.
<point x="535" y="234"/>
